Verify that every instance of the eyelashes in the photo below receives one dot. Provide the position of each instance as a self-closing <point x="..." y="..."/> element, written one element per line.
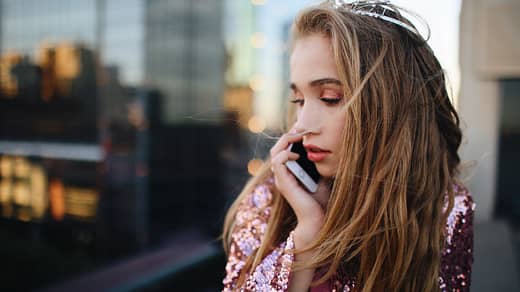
<point x="329" y="101"/>
<point x="298" y="101"/>
<point x="328" y="96"/>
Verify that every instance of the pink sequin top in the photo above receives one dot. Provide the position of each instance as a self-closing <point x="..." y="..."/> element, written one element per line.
<point x="272" y="274"/>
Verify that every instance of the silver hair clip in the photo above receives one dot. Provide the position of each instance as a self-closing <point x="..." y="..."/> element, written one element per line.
<point x="369" y="8"/>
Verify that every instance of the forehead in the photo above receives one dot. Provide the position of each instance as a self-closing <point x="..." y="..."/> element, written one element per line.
<point x="312" y="58"/>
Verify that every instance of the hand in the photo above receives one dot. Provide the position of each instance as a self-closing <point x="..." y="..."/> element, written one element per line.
<point x="309" y="208"/>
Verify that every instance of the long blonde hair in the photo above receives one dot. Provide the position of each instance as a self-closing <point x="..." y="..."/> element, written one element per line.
<point x="384" y="219"/>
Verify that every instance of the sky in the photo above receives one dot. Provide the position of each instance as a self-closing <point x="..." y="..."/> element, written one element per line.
<point x="442" y="17"/>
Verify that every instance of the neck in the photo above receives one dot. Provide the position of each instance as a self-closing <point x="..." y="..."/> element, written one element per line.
<point x="322" y="195"/>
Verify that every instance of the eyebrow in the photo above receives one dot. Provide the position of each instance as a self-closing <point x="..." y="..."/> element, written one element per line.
<point x="318" y="82"/>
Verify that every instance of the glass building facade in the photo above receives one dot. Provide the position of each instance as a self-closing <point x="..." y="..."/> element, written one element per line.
<point x="112" y="136"/>
<point x="184" y="58"/>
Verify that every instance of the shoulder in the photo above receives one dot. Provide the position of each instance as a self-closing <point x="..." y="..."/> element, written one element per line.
<point x="251" y="218"/>
<point x="457" y="253"/>
<point x="461" y="214"/>
<point x="262" y="194"/>
<point x="257" y="202"/>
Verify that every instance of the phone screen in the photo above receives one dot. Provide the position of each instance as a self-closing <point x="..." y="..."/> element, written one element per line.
<point x="305" y="163"/>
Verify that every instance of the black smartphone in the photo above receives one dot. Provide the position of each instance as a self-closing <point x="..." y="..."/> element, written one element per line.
<point x="303" y="169"/>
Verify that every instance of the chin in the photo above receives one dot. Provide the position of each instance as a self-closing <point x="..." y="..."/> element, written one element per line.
<point x="325" y="170"/>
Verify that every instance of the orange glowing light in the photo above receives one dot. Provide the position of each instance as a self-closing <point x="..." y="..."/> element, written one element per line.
<point x="256" y="124"/>
<point x="6" y="166"/>
<point x="57" y="199"/>
<point x="257" y="83"/>
<point x="254" y="165"/>
<point x="39" y="197"/>
<point x="258" y="2"/>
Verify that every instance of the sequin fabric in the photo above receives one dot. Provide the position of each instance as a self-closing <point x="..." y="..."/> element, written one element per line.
<point x="273" y="273"/>
<point x="457" y="254"/>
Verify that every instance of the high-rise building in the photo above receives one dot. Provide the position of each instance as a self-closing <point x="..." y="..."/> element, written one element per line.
<point x="174" y="46"/>
<point x="94" y="95"/>
<point x="184" y="58"/>
<point x="239" y="29"/>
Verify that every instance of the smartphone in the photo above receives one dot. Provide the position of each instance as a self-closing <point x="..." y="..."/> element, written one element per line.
<point x="303" y="169"/>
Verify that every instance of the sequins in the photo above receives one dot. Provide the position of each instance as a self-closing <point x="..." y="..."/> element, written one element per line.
<point x="261" y="197"/>
<point x="457" y="255"/>
<point x="461" y="206"/>
<point x="273" y="273"/>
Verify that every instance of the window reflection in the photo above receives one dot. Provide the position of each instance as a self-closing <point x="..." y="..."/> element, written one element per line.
<point x="125" y="125"/>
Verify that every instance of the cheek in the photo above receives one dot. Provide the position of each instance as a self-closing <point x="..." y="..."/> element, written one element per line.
<point x="338" y="124"/>
<point x="329" y="169"/>
<point x="336" y="129"/>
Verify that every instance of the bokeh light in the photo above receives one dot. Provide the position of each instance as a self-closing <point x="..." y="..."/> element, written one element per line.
<point x="254" y="165"/>
<point x="256" y="124"/>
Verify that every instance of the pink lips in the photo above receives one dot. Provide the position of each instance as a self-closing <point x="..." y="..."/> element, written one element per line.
<point x="315" y="153"/>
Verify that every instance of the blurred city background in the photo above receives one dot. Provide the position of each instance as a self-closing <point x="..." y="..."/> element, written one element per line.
<point x="128" y="127"/>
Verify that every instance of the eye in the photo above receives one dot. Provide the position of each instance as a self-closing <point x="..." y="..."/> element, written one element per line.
<point x="297" y="101"/>
<point x="330" y="96"/>
<point x="331" y="101"/>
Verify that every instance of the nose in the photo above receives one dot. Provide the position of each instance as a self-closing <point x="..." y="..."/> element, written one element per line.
<point x="307" y="119"/>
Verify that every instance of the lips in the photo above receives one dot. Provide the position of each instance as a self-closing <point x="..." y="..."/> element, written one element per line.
<point x="315" y="153"/>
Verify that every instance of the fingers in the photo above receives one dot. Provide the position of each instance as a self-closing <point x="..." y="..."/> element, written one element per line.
<point x="281" y="158"/>
<point x="284" y="180"/>
<point x="304" y="205"/>
<point x="280" y="154"/>
<point x="293" y="156"/>
<point x="284" y="142"/>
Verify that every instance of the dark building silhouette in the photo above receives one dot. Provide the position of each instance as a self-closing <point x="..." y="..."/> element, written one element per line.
<point x="122" y="116"/>
<point x="28" y="79"/>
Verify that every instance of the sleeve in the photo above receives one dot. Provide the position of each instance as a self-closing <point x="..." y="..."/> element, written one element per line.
<point x="272" y="274"/>
<point x="457" y="254"/>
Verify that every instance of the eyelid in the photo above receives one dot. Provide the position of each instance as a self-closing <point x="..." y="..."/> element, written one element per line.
<point x="331" y="93"/>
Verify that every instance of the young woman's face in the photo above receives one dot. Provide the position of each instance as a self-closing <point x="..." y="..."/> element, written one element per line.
<point x="318" y="95"/>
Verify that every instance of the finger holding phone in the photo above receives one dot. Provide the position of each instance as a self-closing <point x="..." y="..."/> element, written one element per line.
<point x="308" y="206"/>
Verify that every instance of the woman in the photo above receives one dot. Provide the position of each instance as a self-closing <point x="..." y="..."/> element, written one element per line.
<point x="372" y="110"/>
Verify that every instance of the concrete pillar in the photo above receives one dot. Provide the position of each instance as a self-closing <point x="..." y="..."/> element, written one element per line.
<point x="489" y="51"/>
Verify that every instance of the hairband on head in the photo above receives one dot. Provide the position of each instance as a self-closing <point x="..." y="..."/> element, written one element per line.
<point x="375" y="8"/>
